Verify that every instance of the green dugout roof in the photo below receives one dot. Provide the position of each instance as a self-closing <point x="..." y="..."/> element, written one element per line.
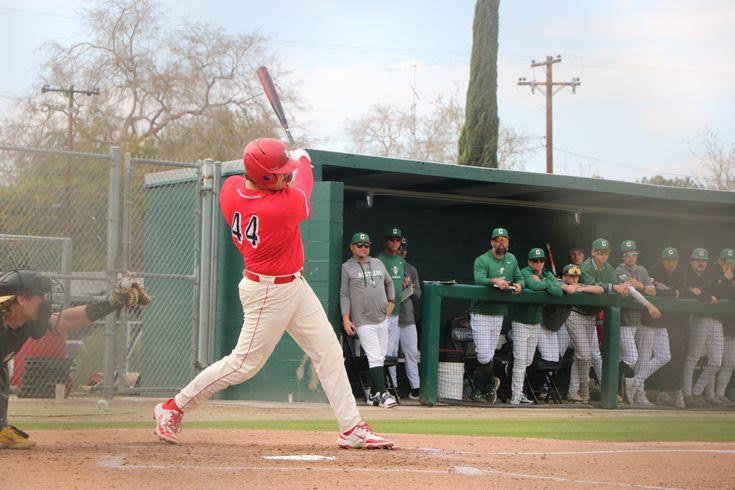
<point x="452" y="183"/>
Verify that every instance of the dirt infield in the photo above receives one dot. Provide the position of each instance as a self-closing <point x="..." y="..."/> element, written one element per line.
<point x="125" y="458"/>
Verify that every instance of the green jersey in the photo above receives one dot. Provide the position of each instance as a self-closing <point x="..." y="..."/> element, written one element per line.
<point x="604" y="276"/>
<point x="396" y="267"/>
<point x="531" y="314"/>
<point x="488" y="267"/>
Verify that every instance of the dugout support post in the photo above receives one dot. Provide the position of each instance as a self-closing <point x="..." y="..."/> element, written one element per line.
<point x="610" y="358"/>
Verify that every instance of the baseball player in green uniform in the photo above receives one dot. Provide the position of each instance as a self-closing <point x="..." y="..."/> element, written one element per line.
<point x="726" y="284"/>
<point x="581" y="322"/>
<point x="527" y="317"/>
<point x="396" y="267"/>
<point x="495" y="268"/>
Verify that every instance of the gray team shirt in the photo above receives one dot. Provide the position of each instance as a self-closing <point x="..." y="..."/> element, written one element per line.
<point x="364" y="291"/>
<point x="632" y="318"/>
<point x="406" y="314"/>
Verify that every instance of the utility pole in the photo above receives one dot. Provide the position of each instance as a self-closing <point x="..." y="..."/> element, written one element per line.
<point x="70" y="92"/>
<point x="547" y="88"/>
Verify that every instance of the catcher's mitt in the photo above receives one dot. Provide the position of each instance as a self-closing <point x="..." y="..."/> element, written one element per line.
<point x="129" y="292"/>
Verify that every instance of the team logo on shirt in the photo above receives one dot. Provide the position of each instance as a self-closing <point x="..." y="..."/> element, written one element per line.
<point x="394" y="270"/>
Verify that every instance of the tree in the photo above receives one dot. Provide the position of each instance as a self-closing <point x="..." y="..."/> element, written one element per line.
<point x="387" y="131"/>
<point x="478" y="144"/>
<point x="718" y="163"/>
<point x="673" y="182"/>
<point x="153" y="81"/>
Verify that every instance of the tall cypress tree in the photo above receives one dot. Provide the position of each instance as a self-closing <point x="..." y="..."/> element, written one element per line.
<point x="478" y="144"/>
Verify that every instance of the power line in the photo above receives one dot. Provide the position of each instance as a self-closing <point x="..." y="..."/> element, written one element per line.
<point x="618" y="164"/>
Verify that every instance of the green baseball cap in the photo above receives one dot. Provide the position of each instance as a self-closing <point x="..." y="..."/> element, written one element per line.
<point x="404" y="243"/>
<point x="700" y="254"/>
<point x="389" y="232"/>
<point x="536" y="253"/>
<point x="626" y="245"/>
<point x="600" y="244"/>
<point x="360" y="238"/>
<point x="669" y="253"/>
<point x="571" y="270"/>
<point x="500" y="232"/>
<point x="727" y="254"/>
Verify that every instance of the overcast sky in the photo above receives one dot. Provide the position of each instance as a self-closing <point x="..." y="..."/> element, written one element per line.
<point x="654" y="74"/>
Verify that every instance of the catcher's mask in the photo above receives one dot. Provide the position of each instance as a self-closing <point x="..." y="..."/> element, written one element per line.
<point x="26" y="282"/>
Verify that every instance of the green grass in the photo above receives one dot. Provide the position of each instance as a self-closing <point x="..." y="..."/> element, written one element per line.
<point x="685" y="428"/>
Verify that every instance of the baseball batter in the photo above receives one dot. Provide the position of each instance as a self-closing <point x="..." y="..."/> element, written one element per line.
<point x="263" y="211"/>
<point x="495" y="268"/>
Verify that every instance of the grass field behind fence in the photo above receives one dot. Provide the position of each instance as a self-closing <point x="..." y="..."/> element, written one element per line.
<point x="685" y="428"/>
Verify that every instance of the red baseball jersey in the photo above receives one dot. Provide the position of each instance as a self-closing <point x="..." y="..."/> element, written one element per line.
<point x="264" y="224"/>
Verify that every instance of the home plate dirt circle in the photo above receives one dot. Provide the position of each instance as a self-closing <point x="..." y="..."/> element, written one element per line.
<point x="259" y="459"/>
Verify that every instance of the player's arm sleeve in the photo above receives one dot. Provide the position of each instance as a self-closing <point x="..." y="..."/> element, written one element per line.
<point x="296" y="197"/>
<point x="480" y="272"/>
<point x="344" y="292"/>
<point x="390" y="288"/>
<point x="416" y="283"/>
<point x="637" y="296"/>
<point x="553" y="286"/>
<point x="589" y="279"/>
<point x="227" y="196"/>
<point x="518" y="277"/>
<point x="531" y="283"/>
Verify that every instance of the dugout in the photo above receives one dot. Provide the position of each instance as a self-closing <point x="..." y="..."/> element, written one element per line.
<point x="447" y="212"/>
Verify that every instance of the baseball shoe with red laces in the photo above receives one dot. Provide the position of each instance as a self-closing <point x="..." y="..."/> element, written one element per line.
<point x="168" y="423"/>
<point x="362" y="436"/>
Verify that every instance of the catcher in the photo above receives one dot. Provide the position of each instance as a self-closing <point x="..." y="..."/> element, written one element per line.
<point x="26" y="312"/>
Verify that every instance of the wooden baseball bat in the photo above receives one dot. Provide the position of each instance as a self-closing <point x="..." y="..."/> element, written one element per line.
<point x="272" y="94"/>
<point x="551" y="258"/>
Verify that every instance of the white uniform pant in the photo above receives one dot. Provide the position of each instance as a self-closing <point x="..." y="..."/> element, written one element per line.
<point x="728" y="365"/>
<point x="410" y="347"/>
<point x="628" y="349"/>
<point x="374" y="342"/>
<point x="486" y="335"/>
<point x="653" y="352"/>
<point x="394" y="338"/>
<point x="525" y="338"/>
<point x="705" y="339"/>
<point x="268" y="310"/>
<point x="583" y="332"/>
<point x="553" y="345"/>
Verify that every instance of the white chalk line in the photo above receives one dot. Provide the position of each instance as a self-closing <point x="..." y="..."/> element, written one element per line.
<point x="118" y="463"/>
<point x="573" y="453"/>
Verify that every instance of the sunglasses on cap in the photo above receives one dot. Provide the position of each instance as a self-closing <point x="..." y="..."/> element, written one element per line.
<point x="537" y="260"/>
<point x="362" y="245"/>
<point x="573" y="271"/>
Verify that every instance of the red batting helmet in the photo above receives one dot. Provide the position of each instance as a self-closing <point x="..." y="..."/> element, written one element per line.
<point x="265" y="157"/>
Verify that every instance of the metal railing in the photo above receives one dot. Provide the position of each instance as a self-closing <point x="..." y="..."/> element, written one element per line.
<point x="435" y="292"/>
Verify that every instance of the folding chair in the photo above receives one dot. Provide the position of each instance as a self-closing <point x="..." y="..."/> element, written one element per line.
<point x="358" y="366"/>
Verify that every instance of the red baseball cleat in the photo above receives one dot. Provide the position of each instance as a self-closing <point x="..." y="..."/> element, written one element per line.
<point x="168" y="423"/>
<point x="362" y="436"/>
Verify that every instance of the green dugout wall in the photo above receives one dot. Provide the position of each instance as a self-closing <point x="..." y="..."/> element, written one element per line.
<point x="447" y="212"/>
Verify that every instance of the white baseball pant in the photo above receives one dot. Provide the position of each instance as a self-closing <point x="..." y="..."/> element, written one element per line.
<point x="486" y="335"/>
<point x="268" y="310"/>
<point x="525" y="338"/>
<point x="553" y="345"/>
<point x="394" y="338"/>
<point x="728" y="365"/>
<point x="410" y="348"/>
<point x="374" y="342"/>
<point x="705" y="339"/>
<point x="628" y="349"/>
<point x="653" y="352"/>
<point x="583" y="333"/>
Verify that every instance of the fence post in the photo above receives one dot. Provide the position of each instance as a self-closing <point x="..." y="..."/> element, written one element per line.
<point x="216" y="185"/>
<point x="113" y="240"/>
<point x="431" y="314"/>
<point x="66" y="266"/>
<point x="610" y="358"/>
<point x="205" y="261"/>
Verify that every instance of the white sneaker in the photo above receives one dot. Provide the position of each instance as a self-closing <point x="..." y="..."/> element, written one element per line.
<point x="362" y="436"/>
<point x="679" y="399"/>
<point x="641" y="399"/>
<point x="387" y="401"/>
<point x="168" y="424"/>
<point x="629" y="390"/>
<point x="520" y="400"/>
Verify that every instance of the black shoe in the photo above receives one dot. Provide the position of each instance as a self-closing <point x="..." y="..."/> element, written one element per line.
<point x="413" y="394"/>
<point x="480" y="397"/>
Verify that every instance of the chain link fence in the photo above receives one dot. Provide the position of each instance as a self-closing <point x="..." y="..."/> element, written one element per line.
<point x="84" y="219"/>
